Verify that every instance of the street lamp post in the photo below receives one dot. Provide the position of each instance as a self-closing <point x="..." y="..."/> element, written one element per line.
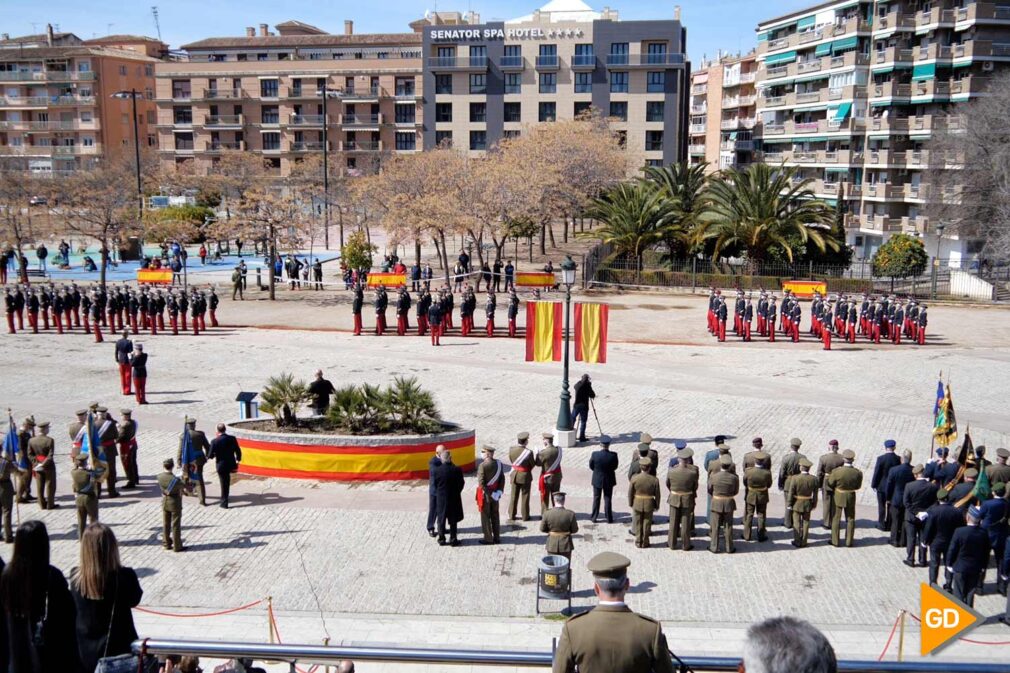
<point x="565" y="434"/>
<point x="936" y="258"/>
<point x="327" y="94"/>
<point x="132" y="95"/>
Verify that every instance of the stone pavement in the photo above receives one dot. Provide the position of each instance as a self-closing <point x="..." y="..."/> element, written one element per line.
<point x="357" y="556"/>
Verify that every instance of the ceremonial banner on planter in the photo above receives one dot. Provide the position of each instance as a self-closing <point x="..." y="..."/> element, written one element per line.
<point x="387" y="279"/>
<point x="591" y="332"/>
<point x="543" y="331"/>
<point x="535" y="279"/>
<point x="804" y="289"/>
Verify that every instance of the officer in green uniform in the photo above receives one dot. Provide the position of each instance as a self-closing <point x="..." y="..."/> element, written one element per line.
<point x="41" y="457"/>
<point x="559" y="524"/>
<point x="645" y="450"/>
<point x="549" y="460"/>
<point x="611" y="638"/>
<point x="845" y="482"/>
<point x="201" y="446"/>
<point x="827" y="463"/>
<point x="801" y="500"/>
<point x="85" y="485"/>
<point x="723" y="486"/>
<point x="7" y="468"/>
<point x="750" y="458"/>
<point x="682" y="481"/>
<point x="523" y="460"/>
<point x="999" y="472"/>
<point x="757" y="480"/>
<point x="491" y="484"/>
<point x="790" y="466"/>
<point x="171" y="506"/>
<point x="643" y="499"/>
<point x="25" y="477"/>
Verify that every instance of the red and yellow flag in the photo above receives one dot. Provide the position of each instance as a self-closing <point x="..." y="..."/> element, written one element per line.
<point x="535" y="279"/>
<point x="387" y="279"/>
<point x="543" y="331"/>
<point x="591" y="332"/>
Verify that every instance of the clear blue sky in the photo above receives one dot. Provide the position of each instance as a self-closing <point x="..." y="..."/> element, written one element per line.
<point x="711" y="24"/>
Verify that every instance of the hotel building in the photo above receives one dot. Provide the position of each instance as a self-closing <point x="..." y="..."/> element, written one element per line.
<point x="723" y="113"/>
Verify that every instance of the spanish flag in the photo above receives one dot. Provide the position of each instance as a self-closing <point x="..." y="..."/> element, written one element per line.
<point x="387" y="279"/>
<point x="543" y="331"/>
<point x="591" y="332"/>
<point x="945" y="426"/>
<point x="535" y="279"/>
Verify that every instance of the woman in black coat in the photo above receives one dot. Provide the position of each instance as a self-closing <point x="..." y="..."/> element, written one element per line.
<point x="104" y="594"/>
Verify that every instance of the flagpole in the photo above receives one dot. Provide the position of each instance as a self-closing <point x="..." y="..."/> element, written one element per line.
<point x="17" y="502"/>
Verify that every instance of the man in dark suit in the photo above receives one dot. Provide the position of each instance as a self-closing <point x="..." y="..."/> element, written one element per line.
<point x="994" y="523"/>
<point x="603" y="463"/>
<point x="967" y="556"/>
<point x="920" y="495"/>
<point x="138" y="363"/>
<point x="580" y="409"/>
<point x="884" y="463"/>
<point x="448" y="498"/>
<point x="942" y="519"/>
<point x="433" y="464"/>
<point x="224" y="449"/>
<point x="124" y="347"/>
<point x="897" y="478"/>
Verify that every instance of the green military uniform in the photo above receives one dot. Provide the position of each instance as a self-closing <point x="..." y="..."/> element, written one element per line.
<point x="201" y="446"/>
<point x="999" y="472"/>
<point x="750" y="458"/>
<point x="171" y="506"/>
<point x="645" y="450"/>
<point x="801" y="500"/>
<point x="757" y="480"/>
<point x="85" y="485"/>
<point x="643" y="498"/>
<point x="559" y="524"/>
<point x="41" y="457"/>
<point x="827" y="463"/>
<point x="522" y="460"/>
<point x="7" y="497"/>
<point x="723" y="486"/>
<point x="74" y="430"/>
<point x="789" y="468"/>
<point x="845" y="481"/>
<point x="682" y="481"/>
<point x="611" y="638"/>
<point x="108" y="435"/>
<point x="25" y="477"/>
<point x="548" y="458"/>
<point x="491" y="482"/>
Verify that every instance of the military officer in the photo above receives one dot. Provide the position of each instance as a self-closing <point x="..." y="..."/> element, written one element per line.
<point x="402" y="311"/>
<point x="490" y="485"/>
<point x="968" y="556"/>
<point x="919" y="496"/>
<point x="897" y="478"/>
<point x="85" y="485"/>
<point x="750" y="458"/>
<point x="381" y="302"/>
<point x="201" y="446"/>
<point x="513" y="311"/>
<point x="523" y="460"/>
<point x="790" y="467"/>
<point x="758" y="480"/>
<point x="644" y="451"/>
<point x="559" y="524"/>
<point x="171" y="506"/>
<point x="25" y="476"/>
<point x="682" y="481"/>
<point x="549" y="460"/>
<point x="604" y="464"/>
<point x="128" y="447"/>
<point x="942" y="519"/>
<point x="878" y="482"/>
<point x="828" y="462"/>
<point x="489" y="309"/>
<point x="7" y="467"/>
<point x="357" y="301"/>
<point x="611" y="638"/>
<point x="643" y="499"/>
<point x="999" y="472"/>
<point x="801" y="500"/>
<point x="42" y="456"/>
<point x="845" y="481"/>
<point x="723" y="486"/>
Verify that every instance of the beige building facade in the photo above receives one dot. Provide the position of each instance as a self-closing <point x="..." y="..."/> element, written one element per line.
<point x="723" y="113"/>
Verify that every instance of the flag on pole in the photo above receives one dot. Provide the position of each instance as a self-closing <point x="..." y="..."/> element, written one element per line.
<point x="10" y="450"/>
<point x="543" y="331"/>
<point x="939" y="398"/>
<point x="983" y="489"/>
<point x="591" y="332"/>
<point x="945" y="425"/>
<point x="91" y="446"/>
<point x="189" y="466"/>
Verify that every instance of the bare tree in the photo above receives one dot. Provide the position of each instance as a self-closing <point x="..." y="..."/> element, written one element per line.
<point x="17" y="187"/>
<point x="273" y="215"/>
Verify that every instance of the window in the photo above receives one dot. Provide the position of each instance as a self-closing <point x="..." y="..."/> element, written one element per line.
<point x="622" y="138"/>
<point x="582" y="107"/>
<point x="148" y="93"/>
<point x="511" y="133"/>
<point x="548" y="57"/>
<point x="478" y="55"/>
<point x="548" y="112"/>
<point x="443" y="112"/>
<point x="183" y="141"/>
<point x="656" y="53"/>
<point x="349" y="84"/>
<point x="655" y="111"/>
<point x="404" y="86"/>
<point x="152" y="117"/>
<point x="271" y="141"/>
<point x="296" y="88"/>
<point x="653" y="141"/>
<point x="548" y="82"/>
<point x="443" y="138"/>
<point x="180" y="88"/>
<point x="443" y="84"/>
<point x="261" y="57"/>
<point x="583" y="82"/>
<point x="513" y="56"/>
<point x="618" y="53"/>
<point x="513" y="112"/>
<point x="478" y="140"/>
<point x="87" y="141"/>
<point x="478" y="112"/>
<point x="242" y="57"/>
<point x="268" y="88"/>
<point x="270" y="115"/>
<point x="618" y="82"/>
<point x="182" y="115"/>
<point x="619" y="110"/>
<point x="478" y="82"/>
<point x="656" y="82"/>
<point x="149" y="71"/>
<point x="406" y="141"/>
<point x="122" y="70"/>
<point x="513" y="82"/>
<point x="405" y="114"/>
<point x="373" y="85"/>
<point x="584" y="55"/>
<point x="87" y="116"/>
<point x="656" y="163"/>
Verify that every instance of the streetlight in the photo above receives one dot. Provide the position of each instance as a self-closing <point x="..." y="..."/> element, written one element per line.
<point x="327" y="94"/>
<point x="565" y="434"/>
<point x="132" y="94"/>
<point x="936" y="259"/>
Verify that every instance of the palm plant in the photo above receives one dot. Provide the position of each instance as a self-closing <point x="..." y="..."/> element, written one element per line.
<point x="282" y="398"/>
<point x="765" y="206"/>
<point x="345" y="410"/>
<point x="686" y="184"/>
<point x="369" y="409"/>
<point x="412" y="407"/>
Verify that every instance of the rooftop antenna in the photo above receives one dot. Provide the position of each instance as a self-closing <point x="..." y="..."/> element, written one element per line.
<point x="35" y="27"/>
<point x="157" y="24"/>
<point x="108" y="28"/>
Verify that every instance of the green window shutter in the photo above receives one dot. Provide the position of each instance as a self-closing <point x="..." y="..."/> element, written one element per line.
<point x="806" y="22"/>
<point x="924" y="71"/>
<point x="784" y="57"/>
<point x="823" y="49"/>
<point x="843" y="111"/>
<point x="846" y="43"/>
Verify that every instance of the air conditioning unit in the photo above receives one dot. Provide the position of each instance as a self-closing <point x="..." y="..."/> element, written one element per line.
<point x="987" y="66"/>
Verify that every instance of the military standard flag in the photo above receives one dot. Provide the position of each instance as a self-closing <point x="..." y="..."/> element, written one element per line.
<point x="543" y="331"/>
<point x="591" y="332"/>
<point x="10" y="450"/>
<point x="189" y="455"/>
<point x="91" y="446"/>
<point x="945" y="426"/>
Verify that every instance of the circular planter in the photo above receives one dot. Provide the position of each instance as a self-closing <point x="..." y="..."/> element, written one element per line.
<point x="348" y="457"/>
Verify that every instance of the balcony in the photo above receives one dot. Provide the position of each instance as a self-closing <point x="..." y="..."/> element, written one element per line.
<point x="461" y="63"/>
<point x="748" y="77"/>
<point x="300" y="146"/>
<point x="696" y="150"/>
<point x="406" y="93"/>
<point x="891" y="90"/>
<point x="883" y="190"/>
<point x="736" y="145"/>
<point x="984" y="11"/>
<point x="822" y="126"/>
<point x="935" y="18"/>
<point x="893" y="21"/>
<point x="849" y="27"/>
<point x="699" y="89"/>
<point x="730" y="124"/>
<point x="584" y="62"/>
<point x="364" y="95"/>
<point x="224" y="121"/>
<point x="747" y="101"/>
<point x="215" y="147"/>
<point x="361" y="146"/>
<point x="300" y="93"/>
<point x="48" y="126"/>
<point x="645" y="60"/>
<point x="305" y="120"/>
<point x="730" y="103"/>
<point x="933" y="52"/>
<point x="823" y="64"/>
<point x="361" y="120"/>
<point x="969" y="86"/>
<point x="892" y="55"/>
<point x="548" y="63"/>
<point x="46" y="76"/>
<point x="225" y="94"/>
<point x="699" y="109"/>
<point x="813" y="65"/>
<point x="915" y="225"/>
<point x="748" y="122"/>
<point x="931" y="88"/>
<point x="512" y="63"/>
<point x="697" y="128"/>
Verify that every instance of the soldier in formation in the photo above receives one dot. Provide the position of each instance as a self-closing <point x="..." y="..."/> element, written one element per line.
<point x="643" y="499"/>
<point x="560" y="524"/>
<point x="490" y="487"/>
<point x="523" y="460"/>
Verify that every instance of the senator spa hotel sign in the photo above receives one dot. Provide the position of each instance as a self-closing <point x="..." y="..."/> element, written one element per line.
<point x="487" y="34"/>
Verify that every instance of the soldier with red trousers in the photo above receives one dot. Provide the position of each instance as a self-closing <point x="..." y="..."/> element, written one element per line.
<point x="435" y="321"/>
<point x="124" y="347"/>
<point x="513" y="312"/>
<point x="356" y="303"/>
<point x="138" y="361"/>
<point x="920" y="330"/>
<point x="423" y="304"/>
<point x="721" y="315"/>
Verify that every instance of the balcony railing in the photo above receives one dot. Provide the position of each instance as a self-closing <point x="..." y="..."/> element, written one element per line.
<point x="699" y="109"/>
<point x="224" y="120"/>
<point x="46" y="76"/>
<point x="305" y="120"/>
<point x="511" y="63"/>
<point x="729" y="124"/>
<point x="644" y="60"/>
<point x="361" y="146"/>
<point x="697" y="128"/>
<point x="549" y="62"/>
<point x="224" y="94"/>
<point x="584" y="61"/>
<point x="748" y="77"/>
<point x="458" y="62"/>
<point x="75" y="125"/>
<point x="316" y="146"/>
<point x="223" y="146"/>
<point x="363" y="93"/>
<point x="696" y="149"/>
<point x="362" y="120"/>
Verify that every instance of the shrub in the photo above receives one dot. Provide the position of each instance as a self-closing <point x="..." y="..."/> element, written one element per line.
<point x="403" y="407"/>
<point x="903" y="256"/>
<point x="283" y="397"/>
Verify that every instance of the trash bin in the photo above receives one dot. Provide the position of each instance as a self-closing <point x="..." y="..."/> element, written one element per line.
<point x="555" y="575"/>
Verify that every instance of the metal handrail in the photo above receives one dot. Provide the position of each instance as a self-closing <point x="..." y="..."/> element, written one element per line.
<point x="325" y="655"/>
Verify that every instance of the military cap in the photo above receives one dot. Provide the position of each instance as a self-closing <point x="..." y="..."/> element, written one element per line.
<point x="942" y="494"/>
<point x="725" y="459"/>
<point x="719" y="439"/>
<point x="42" y="424"/>
<point x="190" y="421"/>
<point x="796" y="441"/>
<point x="30" y="421"/>
<point x="523" y="436"/>
<point x="81" y="458"/>
<point x="833" y="442"/>
<point x="906" y="454"/>
<point x="1002" y="453"/>
<point x="547" y="435"/>
<point x="757" y="441"/>
<point x="645" y="438"/>
<point x="609" y="564"/>
<point x="805" y="463"/>
<point x="559" y="494"/>
<point x="101" y="410"/>
<point x="684" y="454"/>
<point x="849" y="454"/>
<point x="645" y="461"/>
<point x="918" y="469"/>
<point x="643" y="448"/>
<point x="890" y="444"/>
<point x="487" y="449"/>
<point x="999" y="489"/>
<point x="605" y="439"/>
<point x="971" y="473"/>
<point x="980" y="450"/>
<point x="760" y="455"/>
<point x="679" y="444"/>
<point x="126" y="412"/>
<point x="974" y="512"/>
<point x="724" y="449"/>
<point x="81" y="412"/>
<point x="93" y="406"/>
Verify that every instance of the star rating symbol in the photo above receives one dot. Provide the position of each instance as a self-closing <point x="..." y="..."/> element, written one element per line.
<point x="550" y="33"/>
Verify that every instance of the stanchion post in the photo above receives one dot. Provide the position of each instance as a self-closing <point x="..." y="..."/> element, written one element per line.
<point x="901" y="635"/>
<point x="270" y="617"/>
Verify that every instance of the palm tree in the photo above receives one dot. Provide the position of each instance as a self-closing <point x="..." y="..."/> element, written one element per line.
<point x="634" y="216"/>
<point x="765" y="206"/>
<point x="686" y="184"/>
<point x="282" y="397"/>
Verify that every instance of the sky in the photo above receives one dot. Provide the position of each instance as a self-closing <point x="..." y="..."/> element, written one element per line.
<point x="711" y="24"/>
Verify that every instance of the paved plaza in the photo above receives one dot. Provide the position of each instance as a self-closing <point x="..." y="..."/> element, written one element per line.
<point x="354" y="562"/>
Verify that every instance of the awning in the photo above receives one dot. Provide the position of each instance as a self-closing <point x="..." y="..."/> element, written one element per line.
<point x="845" y="43"/>
<point x="763" y="37"/>
<point x="843" y="111"/>
<point x="812" y="139"/>
<point x="924" y="71"/>
<point x="775" y="141"/>
<point x="784" y="57"/>
<point x="883" y="71"/>
<point x="837" y="169"/>
<point x="732" y="136"/>
<point x="880" y="103"/>
<point x="823" y="49"/>
<point x="806" y="22"/>
<point x="962" y="64"/>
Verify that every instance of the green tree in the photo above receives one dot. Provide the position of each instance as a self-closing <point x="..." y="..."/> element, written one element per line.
<point x="762" y="207"/>
<point x="357" y="251"/>
<point x="902" y="256"/>
<point x="686" y="184"/>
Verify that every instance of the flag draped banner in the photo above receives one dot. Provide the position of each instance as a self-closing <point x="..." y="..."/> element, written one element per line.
<point x="945" y="425"/>
<point x="387" y="279"/>
<point x="939" y="399"/>
<point x="91" y="446"/>
<point x="543" y="331"/>
<point x="591" y="332"/>
<point x="10" y="450"/>
<point x="189" y="466"/>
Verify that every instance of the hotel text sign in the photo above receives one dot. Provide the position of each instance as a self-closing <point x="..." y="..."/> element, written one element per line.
<point x="485" y="34"/>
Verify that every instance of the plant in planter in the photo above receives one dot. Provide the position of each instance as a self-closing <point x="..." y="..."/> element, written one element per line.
<point x="403" y="407"/>
<point x="283" y="397"/>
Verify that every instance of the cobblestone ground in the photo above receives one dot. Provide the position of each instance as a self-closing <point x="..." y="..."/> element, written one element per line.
<point x="324" y="550"/>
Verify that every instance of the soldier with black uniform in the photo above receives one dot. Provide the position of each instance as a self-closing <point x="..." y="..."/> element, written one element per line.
<point x="643" y="499"/>
<point x="828" y="462"/>
<point x="85" y="485"/>
<point x="423" y="302"/>
<point x="942" y="519"/>
<point x="380" y="302"/>
<point x="489" y="309"/>
<point x="171" y="507"/>
<point x="758" y="480"/>
<point x="108" y="435"/>
<point x="490" y="486"/>
<point x="603" y="464"/>
<point x="200" y="446"/>
<point x="790" y="467"/>
<point x="559" y="524"/>
<point x="357" y="300"/>
<point x="42" y="457"/>
<point x="434" y="321"/>
<point x="402" y="312"/>
<point x="33" y="311"/>
<point x="513" y="312"/>
<point x="212" y="304"/>
<point x="10" y="306"/>
<point x="682" y="481"/>
<point x="128" y="447"/>
<point x="7" y="468"/>
<point x="183" y="310"/>
<point x="844" y="482"/>
<point x="721" y="314"/>
<point x="523" y="460"/>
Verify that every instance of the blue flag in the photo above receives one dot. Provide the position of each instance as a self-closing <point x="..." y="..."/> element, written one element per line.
<point x="10" y="450"/>
<point x="91" y="446"/>
<point x="939" y="398"/>
<point x="189" y="455"/>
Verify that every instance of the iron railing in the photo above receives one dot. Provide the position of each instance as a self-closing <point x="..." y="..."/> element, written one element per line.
<point x="325" y="655"/>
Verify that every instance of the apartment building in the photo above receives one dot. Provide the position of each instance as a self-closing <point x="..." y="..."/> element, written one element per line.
<point x="57" y="113"/>
<point x="852" y="91"/>
<point x="723" y="112"/>
<point x="263" y="92"/>
<point x="487" y="81"/>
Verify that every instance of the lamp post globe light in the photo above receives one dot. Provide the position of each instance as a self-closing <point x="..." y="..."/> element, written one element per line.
<point x="132" y="95"/>
<point x="564" y="434"/>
